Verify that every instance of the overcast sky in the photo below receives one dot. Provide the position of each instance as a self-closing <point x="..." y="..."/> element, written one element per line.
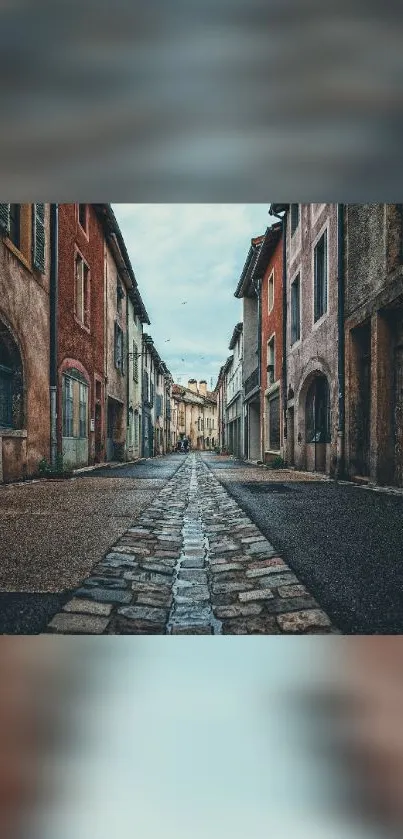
<point x="193" y="253"/>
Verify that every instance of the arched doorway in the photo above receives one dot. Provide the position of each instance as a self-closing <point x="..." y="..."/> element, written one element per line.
<point x="317" y="423"/>
<point x="11" y="382"/>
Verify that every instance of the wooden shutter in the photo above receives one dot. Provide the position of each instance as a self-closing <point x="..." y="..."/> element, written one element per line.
<point x="38" y="243"/>
<point x="5" y="218"/>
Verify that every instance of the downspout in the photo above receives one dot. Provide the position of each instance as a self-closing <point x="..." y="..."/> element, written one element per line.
<point x="284" y="370"/>
<point x="340" y="468"/>
<point x="127" y="366"/>
<point x="53" y="304"/>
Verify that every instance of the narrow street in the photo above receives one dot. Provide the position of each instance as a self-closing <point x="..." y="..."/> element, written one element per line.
<point x="199" y="544"/>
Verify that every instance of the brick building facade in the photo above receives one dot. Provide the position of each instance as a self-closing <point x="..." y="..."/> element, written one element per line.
<point x="269" y="273"/>
<point x="81" y="336"/>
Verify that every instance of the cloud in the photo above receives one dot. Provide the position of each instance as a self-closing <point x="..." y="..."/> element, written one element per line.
<point x="193" y="253"/>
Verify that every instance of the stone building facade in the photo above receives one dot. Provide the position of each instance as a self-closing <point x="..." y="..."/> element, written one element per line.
<point x="233" y="387"/>
<point x="196" y="413"/>
<point x="373" y="308"/>
<point x="312" y="421"/>
<point x="24" y="339"/>
<point x="136" y="317"/>
<point x="248" y="290"/>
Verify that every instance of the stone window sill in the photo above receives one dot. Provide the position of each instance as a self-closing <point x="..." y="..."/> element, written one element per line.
<point x="11" y="432"/>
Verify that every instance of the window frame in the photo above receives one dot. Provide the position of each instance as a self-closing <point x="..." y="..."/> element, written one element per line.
<point x="323" y="236"/>
<point x="271" y="342"/>
<point x="294" y="338"/>
<point x="84" y="227"/>
<point x="270" y="284"/>
<point x="294" y="225"/>
<point x="85" y="320"/>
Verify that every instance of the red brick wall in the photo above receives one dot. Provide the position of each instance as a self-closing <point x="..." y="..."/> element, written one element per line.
<point x="75" y="342"/>
<point x="272" y="323"/>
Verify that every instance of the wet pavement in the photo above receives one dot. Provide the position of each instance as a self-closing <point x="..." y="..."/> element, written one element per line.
<point x="343" y="541"/>
<point x="192" y="563"/>
<point x="53" y="533"/>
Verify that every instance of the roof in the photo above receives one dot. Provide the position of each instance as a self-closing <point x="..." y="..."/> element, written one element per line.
<point x="185" y="392"/>
<point x="237" y="331"/>
<point x="115" y="238"/>
<point x="223" y="370"/>
<point x="271" y="239"/>
<point x="159" y="363"/>
<point x="244" y="287"/>
<point x="278" y="208"/>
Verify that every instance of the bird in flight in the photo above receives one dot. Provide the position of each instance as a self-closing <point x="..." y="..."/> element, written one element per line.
<point x="184" y="302"/>
<point x="167" y="340"/>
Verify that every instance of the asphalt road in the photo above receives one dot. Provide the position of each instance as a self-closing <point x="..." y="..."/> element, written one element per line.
<point x="344" y="542"/>
<point x="53" y="533"/>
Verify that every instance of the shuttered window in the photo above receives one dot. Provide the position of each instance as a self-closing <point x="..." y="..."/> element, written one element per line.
<point x="320" y="279"/>
<point x="274" y="423"/>
<point x="135" y="362"/>
<point x="38" y="239"/>
<point x="295" y="311"/>
<point x="119" y="355"/>
<point x="4" y="217"/>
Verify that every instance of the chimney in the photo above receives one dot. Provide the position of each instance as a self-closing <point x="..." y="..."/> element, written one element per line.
<point x="192" y="385"/>
<point x="203" y="387"/>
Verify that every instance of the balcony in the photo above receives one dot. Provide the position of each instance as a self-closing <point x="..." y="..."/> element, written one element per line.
<point x="251" y="382"/>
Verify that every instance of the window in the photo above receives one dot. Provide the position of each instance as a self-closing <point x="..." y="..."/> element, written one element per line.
<point x="67" y="407"/>
<point x="82" y="291"/>
<point x="320" y="278"/>
<point x="271" y="291"/>
<point x="295" y="310"/>
<point x="270" y="361"/>
<point x="294" y="218"/>
<point x="82" y="410"/>
<point x="38" y="237"/>
<point x="6" y="397"/>
<point x="82" y="216"/>
<point x="15" y="225"/>
<point x="135" y="362"/>
<point x="318" y="411"/>
<point x="119" y="296"/>
<point x="136" y="431"/>
<point x="274" y="423"/>
<point x="75" y="406"/>
<point x="118" y="348"/>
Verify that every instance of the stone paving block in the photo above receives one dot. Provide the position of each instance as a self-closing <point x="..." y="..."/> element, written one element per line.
<point x="272" y="562"/>
<point x="104" y="595"/>
<point x="276" y="580"/>
<point x="163" y="601"/>
<point x="79" y="624"/>
<point x="131" y="550"/>
<point x="158" y="567"/>
<point x="117" y="558"/>
<point x="281" y="605"/>
<point x="105" y="582"/>
<point x="273" y="572"/>
<point x="256" y="594"/>
<point x="237" y="610"/>
<point x="304" y="621"/>
<point x="193" y="575"/>
<point x="87" y="607"/>
<point x="222" y="567"/>
<point x="227" y="588"/>
<point x="293" y="591"/>
<point x="121" y="626"/>
<point x="147" y="613"/>
<point x="192" y="563"/>
<point x="255" y="626"/>
<point x="264" y="549"/>
<point x="193" y="594"/>
<point x="167" y="554"/>
<point x="251" y="540"/>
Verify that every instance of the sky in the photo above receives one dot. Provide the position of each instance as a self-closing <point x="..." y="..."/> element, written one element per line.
<point x="187" y="259"/>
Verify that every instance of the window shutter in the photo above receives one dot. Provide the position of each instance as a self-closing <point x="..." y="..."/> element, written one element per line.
<point x="116" y="344"/>
<point x="39" y="237"/>
<point x="124" y="353"/>
<point x="5" y="218"/>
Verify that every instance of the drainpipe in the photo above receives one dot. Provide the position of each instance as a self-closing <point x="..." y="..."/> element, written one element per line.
<point x="283" y="220"/>
<point x="341" y="343"/>
<point x="53" y="302"/>
<point x="127" y="368"/>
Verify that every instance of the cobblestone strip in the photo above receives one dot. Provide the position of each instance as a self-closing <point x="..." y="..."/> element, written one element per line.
<point x="192" y="563"/>
<point x="130" y="590"/>
<point x="253" y="591"/>
<point x="191" y="611"/>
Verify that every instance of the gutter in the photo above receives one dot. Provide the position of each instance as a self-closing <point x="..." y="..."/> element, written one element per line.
<point x="53" y="307"/>
<point x="283" y="220"/>
<point x="340" y="468"/>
